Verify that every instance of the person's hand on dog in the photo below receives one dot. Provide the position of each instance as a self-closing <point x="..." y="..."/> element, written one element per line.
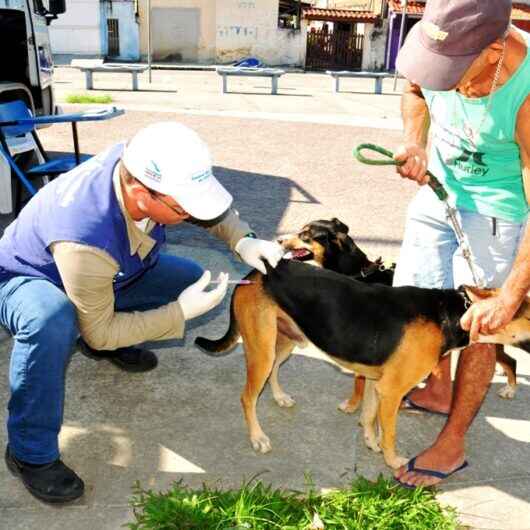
<point x="487" y="316"/>
<point x="415" y="166"/>
<point x="252" y="251"/>
<point x="195" y="301"/>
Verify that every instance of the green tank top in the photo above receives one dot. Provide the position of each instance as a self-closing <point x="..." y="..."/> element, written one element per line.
<point x="481" y="169"/>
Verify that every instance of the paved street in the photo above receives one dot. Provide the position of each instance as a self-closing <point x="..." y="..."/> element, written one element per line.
<point x="287" y="159"/>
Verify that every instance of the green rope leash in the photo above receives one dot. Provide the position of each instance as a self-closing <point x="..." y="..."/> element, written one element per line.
<point x="434" y="183"/>
<point x="437" y="187"/>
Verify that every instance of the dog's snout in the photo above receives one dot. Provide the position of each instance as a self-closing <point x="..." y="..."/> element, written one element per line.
<point x="284" y="239"/>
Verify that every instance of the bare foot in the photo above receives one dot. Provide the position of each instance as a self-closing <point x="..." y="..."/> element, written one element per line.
<point x="439" y="401"/>
<point x="442" y="457"/>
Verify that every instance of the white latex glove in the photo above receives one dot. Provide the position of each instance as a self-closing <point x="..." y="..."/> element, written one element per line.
<point x="195" y="301"/>
<point x="253" y="250"/>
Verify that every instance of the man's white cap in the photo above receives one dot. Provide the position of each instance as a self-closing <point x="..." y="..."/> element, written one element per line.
<point x="171" y="159"/>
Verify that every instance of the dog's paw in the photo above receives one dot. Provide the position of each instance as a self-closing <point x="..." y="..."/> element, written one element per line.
<point x="285" y="400"/>
<point x="261" y="444"/>
<point x="396" y="461"/>
<point x="347" y="407"/>
<point x="507" y="392"/>
<point x="372" y="443"/>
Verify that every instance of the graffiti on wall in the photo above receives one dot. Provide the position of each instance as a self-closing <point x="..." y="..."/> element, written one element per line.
<point x="238" y="31"/>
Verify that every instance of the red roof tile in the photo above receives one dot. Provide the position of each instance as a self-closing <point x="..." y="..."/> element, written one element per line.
<point x="520" y="12"/>
<point x="413" y="8"/>
<point x="346" y="15"/>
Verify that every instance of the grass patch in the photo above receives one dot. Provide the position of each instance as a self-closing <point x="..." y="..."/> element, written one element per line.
<point x="365" y="505"/>
<point x="88" y="98"/>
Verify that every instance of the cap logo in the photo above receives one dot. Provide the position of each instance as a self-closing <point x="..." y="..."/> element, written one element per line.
<point x="203" y="175"/>
<point x="153" y="172"/>
<point x="434" y="32"/>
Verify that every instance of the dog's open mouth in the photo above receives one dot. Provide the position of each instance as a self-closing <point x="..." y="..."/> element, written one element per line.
<point x="299" y="254"/>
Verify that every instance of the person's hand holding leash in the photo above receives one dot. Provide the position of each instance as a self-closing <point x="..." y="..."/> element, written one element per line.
<point x="415" y="166"/>
<point x="487" y="316"/>
<point x="195" y="301"/>
<point x="252" y="251"/>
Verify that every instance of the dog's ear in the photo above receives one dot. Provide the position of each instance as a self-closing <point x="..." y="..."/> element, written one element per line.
<point x="339" y="226"/>
<point x="476" y="293"/>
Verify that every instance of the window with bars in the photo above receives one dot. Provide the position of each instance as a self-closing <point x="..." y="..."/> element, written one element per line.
<point x="113" y="32"/>
<point x="289" y="14"/>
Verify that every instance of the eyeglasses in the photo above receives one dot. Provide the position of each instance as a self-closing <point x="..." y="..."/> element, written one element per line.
<point x="177" y="209"/>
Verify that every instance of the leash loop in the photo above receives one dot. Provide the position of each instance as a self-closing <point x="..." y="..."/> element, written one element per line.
<point x="373" y="162"/>
<point x="434" y="183"/>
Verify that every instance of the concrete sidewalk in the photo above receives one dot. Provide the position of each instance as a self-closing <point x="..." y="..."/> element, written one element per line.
<point x="302" y="97"/>
<point x="184" y="421"/>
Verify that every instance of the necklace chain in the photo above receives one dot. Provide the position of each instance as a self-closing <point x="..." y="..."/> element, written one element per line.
<point x="468" y="130"/>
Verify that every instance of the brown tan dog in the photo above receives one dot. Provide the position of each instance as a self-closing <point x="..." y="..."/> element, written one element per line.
<point x="324" y="244"/>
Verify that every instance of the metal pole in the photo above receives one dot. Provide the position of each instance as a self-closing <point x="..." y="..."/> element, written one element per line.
<point x="389" y="45"/>
<point x="149" y="38"/>
<point x="401" y="31"/>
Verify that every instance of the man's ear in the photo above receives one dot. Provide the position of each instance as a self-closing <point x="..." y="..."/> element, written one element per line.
<point x="139" y="194"/>
<point x="476" y="293"/>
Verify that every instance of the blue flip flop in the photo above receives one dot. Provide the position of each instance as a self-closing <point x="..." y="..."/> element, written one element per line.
<point x="410" y="406"/>
<point x="428" y="472"/>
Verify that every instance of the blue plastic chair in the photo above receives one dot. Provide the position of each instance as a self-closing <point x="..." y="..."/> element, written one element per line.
<point x="16" y="120"/>
<point x="249" y="62"/>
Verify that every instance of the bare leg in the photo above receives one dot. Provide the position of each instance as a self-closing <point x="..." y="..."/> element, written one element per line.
<point x="437" y="394"/>
<point x="473" y="377"/>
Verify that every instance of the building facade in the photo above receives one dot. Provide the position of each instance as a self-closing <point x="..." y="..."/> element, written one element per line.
<point x="97" y="28"/>
<point x="82" y="19"/>
<point x="219" y="31"/>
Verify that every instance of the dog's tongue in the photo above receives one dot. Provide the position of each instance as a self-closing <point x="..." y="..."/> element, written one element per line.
<point x="296" y="253"/>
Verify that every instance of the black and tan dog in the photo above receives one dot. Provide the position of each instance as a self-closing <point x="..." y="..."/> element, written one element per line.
<point x="321" y="243"/>
<point x="394" y="336"/>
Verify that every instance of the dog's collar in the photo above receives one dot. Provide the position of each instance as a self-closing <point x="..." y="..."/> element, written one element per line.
<point x="467" y="301"/>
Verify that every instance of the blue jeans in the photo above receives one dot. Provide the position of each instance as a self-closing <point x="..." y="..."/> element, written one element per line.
<point x="430" y="256"/>
<point x="43" y="323"/>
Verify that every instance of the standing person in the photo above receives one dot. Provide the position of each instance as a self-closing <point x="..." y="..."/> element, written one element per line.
<point x="468" y="75"/>
<point x="85" y="258"/>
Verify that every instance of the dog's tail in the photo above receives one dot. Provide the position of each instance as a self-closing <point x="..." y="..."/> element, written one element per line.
<point x="224" y="345"/>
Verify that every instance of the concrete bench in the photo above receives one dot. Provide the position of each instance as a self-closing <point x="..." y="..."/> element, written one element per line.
<point x="377" y="76"/>
<point x="89" y="67"/>
<point x="273" y="73"/>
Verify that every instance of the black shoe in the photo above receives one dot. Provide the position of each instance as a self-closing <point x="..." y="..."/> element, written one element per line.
<point x="129" y="359"/>
<point x="54" y="482"/>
